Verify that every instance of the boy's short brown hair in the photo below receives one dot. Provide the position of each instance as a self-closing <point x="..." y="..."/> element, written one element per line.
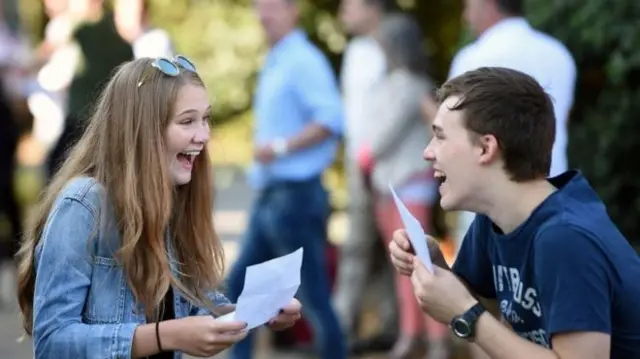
<point x="514" y="108"/>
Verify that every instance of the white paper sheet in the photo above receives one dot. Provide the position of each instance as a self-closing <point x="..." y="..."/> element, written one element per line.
<point x="414" y="230"/>
<point x="268" y="287"/>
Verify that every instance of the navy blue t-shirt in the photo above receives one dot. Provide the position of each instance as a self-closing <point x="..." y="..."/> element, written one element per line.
<point x="566" y="269"/>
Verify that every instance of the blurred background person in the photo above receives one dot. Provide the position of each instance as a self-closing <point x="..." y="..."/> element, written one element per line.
<point x="101" y="49"/>
<point x="298" y="120"/>
<point x="56" y="60"/>
<point x="392" y="154"/>
<point x="133" y="23"/>
<point x="363" y="269"/>
<point x="58" y="28"/>
<point x="10" y="47"/>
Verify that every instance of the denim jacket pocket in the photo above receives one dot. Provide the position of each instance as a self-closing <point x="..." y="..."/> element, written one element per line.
<point x="106" y="297"/>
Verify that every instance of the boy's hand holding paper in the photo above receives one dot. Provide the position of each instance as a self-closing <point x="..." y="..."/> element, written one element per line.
<point x="414" y="231"/>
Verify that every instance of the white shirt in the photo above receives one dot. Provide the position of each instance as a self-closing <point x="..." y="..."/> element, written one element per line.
<point x="513" y="43"/>
<point x="363" y="65"/>
<point x="153" y="43"/>
<point x="59" y="30"/>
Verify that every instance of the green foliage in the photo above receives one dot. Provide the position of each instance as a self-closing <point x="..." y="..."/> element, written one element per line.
<point x="223" y="39"/>
<point x="604" y="36"/>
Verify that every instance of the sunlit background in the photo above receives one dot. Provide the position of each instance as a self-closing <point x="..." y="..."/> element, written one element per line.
<point x="225" y="41"/>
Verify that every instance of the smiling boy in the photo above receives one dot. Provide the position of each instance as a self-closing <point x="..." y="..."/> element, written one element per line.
<point x="545" y="250"/>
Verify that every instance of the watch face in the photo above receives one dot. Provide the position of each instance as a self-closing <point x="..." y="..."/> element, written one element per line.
<point x="461" y="328"/>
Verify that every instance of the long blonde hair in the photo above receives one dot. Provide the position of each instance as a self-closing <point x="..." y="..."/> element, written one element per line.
<point x="123" y="149"/>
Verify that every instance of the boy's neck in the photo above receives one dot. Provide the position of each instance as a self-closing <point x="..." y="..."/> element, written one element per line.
<point x="512" y="203"/>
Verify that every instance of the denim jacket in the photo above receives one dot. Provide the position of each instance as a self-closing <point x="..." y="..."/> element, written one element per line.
<point x="83" y="305"/>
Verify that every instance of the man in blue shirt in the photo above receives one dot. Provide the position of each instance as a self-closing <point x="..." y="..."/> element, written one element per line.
<point x="544" y="251"/>
<point x="298" y="121"/>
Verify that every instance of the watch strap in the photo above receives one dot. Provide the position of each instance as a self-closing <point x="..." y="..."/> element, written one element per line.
<point x="474" y="313"/>
<point x="468" y="320"/>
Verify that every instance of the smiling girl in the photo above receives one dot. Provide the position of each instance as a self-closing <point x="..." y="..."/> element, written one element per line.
<point x="121" y="258"/>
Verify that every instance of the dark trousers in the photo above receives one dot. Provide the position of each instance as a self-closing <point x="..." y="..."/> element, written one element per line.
<point x="285" y="217"/>
<point x="9" y="207"/>
<point x="71" y="134"/>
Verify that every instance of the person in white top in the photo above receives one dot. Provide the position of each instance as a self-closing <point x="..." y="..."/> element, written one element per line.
<point x="57" y="57"/>
<point x="362" y="67"/>
<point x="132" y="21"/>
<point x="506" y="39"/>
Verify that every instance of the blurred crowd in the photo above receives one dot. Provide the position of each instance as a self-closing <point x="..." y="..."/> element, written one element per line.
<point x="48" y="91"/>
<point x="381" y="105"/>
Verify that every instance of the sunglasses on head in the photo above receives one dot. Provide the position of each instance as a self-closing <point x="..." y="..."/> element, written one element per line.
<point x="169" y="67"/>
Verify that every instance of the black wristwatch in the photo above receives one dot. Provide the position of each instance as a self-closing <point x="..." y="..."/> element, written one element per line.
<point x="463" y="326"/>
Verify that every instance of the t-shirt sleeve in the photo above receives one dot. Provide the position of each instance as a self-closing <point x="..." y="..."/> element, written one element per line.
<point x="317" y="89"/>
<point x="473" y="263"/>
<point x="574" y="281"/>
